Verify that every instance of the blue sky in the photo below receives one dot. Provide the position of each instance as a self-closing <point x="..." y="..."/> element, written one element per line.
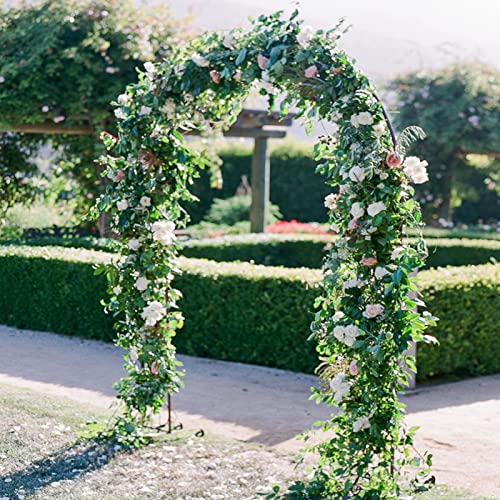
<point x="388" y="36"/>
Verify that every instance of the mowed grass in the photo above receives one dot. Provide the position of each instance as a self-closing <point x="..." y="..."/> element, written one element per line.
<point x="44" y="455"/>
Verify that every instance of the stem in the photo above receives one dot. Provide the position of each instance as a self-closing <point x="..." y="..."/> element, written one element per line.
<point x="387" y="119"/>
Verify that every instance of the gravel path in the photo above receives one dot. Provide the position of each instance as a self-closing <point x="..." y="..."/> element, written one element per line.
<point x="459" y="421"/>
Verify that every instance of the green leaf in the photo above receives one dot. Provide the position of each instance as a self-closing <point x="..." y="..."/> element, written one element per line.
<point x="241" y="56"/>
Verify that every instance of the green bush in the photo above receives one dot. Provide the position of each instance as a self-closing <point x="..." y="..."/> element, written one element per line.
<point x="248" y="313"/>
<point x="230" y="211"/>
<point x="308" y="251"/>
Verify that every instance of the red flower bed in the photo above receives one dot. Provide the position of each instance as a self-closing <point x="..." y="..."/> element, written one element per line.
<point x="294" y="226"/>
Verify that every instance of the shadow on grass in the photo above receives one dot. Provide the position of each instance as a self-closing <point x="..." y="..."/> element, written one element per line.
<point x="66" y="464"/>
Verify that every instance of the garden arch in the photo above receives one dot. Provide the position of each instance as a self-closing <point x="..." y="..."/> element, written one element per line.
<point x="366" y="316"/>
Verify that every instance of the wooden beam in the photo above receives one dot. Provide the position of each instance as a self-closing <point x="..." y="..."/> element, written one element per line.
<point x="260" y="186"/>
<point x="255" y="132"/>
<point x="48" y="128"/>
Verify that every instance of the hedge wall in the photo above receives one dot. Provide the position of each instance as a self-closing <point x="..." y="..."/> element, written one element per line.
<point x="308" y="251"/>
<point x="248" y="313"/>
<point x="295" y="187"/>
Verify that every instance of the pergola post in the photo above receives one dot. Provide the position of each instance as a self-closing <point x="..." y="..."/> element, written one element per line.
<point x="260" y="180"/>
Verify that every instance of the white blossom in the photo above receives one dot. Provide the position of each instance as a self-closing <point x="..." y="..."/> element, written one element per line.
<point x="346" y="334"/>
<point x="379" y="129"/>
<point x="339" y="386"/>
<point x="199" y="60"/>
<point x="397" y="252"/>
<point x="145" y="110"/>
<point x="117" y="290"/>
<point x="123" y="100"/>
<point x="153" y="313"/>
<point x="145" y="201"/>
<point x="122" y="205"/>
<point x="305" y="36"/>
<point x="134" y="244"/>
<point x="2" y="79"/>
<point x="150" y="68"/>
<point x="357" y="174"/>
<point x="338" y="316"/>
<point x="163" y="231"/>
<point x="415" y="169"/>
<point x="375" y="208"/>
<point x="331" y="201"/>
<point x="120" y="114"/>
<point x="363" y="118"/>
<point x="360" y="424"/>
<point x="357" y="210"/>
<point x="168" y="108"/>
<point x="228" y="41"/>
<point x="142" y="284"/>
<point x="381" y="272"/>
<point x="373" y="310"/>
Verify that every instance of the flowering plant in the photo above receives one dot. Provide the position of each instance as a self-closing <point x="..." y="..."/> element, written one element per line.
<point x="367" y="314"/>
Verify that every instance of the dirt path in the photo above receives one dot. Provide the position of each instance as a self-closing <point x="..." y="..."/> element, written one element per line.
<point x="459" y="421"/>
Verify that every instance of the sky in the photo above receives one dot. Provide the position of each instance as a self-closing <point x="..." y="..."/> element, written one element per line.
<point x="387" y="36"/>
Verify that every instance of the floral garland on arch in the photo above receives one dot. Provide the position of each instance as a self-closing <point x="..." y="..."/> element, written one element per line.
<point x="366" y="316"/>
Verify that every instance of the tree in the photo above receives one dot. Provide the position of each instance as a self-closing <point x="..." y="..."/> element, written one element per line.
<point x="459" y="108"/>
<point x="62" y="62"/>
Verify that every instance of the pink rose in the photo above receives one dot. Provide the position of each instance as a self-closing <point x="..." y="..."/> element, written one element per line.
<point x="262" y="61"/>
<point x="353" y="223"/>
<point x="120" y="175"/>
<point x="393" y="159"/>
<point x="311" y="71"/>
<point x="353" y="368"/>
<point x="336" y="71"/>
<point x="154" y="368"/>
<point x="214" y="76"/>
<point x="369" y="261"/>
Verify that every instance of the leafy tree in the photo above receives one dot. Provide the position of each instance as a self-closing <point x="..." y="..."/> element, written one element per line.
<point x="459" y="108"/>
<point x="64" y="61"/>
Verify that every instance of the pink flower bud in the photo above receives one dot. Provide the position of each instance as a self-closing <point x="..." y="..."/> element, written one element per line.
<point x="353" y="223"/>
<point x="237" y="75"/>
<point x="120" y="175"/>
<point x="353" y="368"/>
<point x="393" y="159"/>
<point x="214" y="76"/>
<point x="262" y="61"/>
<point x="311" y="71"/>
<point x="336" y="71"/>
<point x="369" y="261"/>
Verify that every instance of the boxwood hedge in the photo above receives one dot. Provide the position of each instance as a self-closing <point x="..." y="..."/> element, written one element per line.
<point x="309" y="250"/>
<point x="248" y="313"/>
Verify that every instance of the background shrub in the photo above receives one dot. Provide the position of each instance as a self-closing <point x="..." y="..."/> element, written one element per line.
<point x="248" y="313"/>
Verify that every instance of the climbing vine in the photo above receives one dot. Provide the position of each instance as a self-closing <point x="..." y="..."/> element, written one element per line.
<point x="369" y="310"/>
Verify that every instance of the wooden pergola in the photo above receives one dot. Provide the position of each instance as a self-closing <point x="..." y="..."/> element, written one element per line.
<point x="255" y="124"/>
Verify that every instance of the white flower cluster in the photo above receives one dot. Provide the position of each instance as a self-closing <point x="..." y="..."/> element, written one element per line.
<point x="340" y="387"/>
<point x="363" y="118"/>
<point x="373" y="310"/>
<point x="346" y="334"/>
<point x="153" y="313"/>
<point x="305" y="36"/>
<point x="163" y="231"/>
<point x="331" y="201"/>
<point x="360" y="424"/>
<point x="415" y="169"/>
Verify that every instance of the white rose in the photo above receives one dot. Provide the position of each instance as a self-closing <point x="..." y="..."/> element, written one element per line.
<point x="378" y="129"/>
<point x="150" y="68"/>
<point x="339" y="386"/>
<point x="331" y="201"/>
<point x="375" y="208"/>
<point x="168" y="108"/>
<point x="381" y="272"/>
<point x="134" y="244"/>
<point x="357" y="210"/>
<point x="338" y="316"/>
<point x="228" y="41"/>
<point x="117" y="290"/>
<point x="357" y="174"/>
<point x="2" y="79"/>
<point x="346" y="334"/>
<point x="145" y="201"/>
<point x="373" y="310"/>
<point x="142" y="284"/>
<point x="335" y="228"/>
<point x="153" y="313"/>
<point x="355" y="283"/>
<point x="305" y="36"/>
<point x="120" y="114"/>
<point x="199" y="60"/>
<point x="122" y="205"/>
<point x="163" y="231"/>
<point x="360" y="424"/>
<point x="415" y="169"/>
<point x="363" y="118"/>
<point x="123" y="100"/>
<point x="383" y="176"/>
<point x="396" y="253"/>
<point x="338" y="333"/>
<point x="145" y="110"/>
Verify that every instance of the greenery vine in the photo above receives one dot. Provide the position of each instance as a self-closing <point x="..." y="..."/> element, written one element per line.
<point x="369" y="310"/>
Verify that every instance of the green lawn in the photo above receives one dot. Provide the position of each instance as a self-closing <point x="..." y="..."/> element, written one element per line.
<point x="43" y="455"/>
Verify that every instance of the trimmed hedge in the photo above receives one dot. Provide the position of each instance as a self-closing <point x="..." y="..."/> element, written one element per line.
<point x="248" y="313"/>
<point x="308" y="251"/>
